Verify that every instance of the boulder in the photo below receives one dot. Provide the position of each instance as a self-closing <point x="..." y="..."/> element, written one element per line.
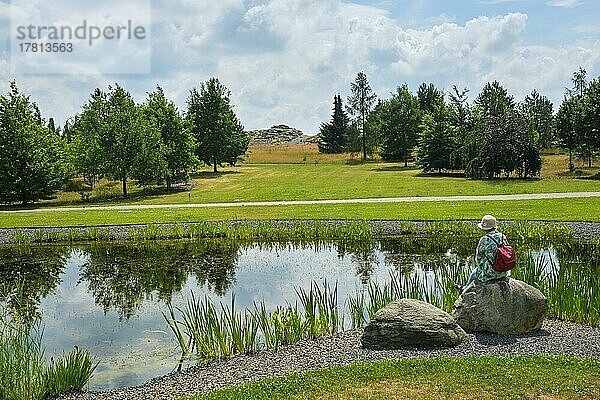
<point x="409" y="322"/>
<point x="507" y="307"/>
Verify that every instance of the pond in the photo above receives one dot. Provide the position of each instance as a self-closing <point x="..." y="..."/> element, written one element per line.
<point x="109" y="298"/>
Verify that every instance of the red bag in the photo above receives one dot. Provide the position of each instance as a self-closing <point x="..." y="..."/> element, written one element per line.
<point x="505" y="257"/>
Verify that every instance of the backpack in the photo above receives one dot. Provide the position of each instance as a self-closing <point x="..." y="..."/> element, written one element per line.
<point x="505" y="257"/>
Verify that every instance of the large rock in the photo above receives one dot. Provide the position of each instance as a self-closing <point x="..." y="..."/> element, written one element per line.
<point x="507" y="307"/>
<point x="409" y="322"/>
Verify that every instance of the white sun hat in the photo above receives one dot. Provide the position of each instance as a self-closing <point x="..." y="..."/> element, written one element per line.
<point x="487" y="222"/>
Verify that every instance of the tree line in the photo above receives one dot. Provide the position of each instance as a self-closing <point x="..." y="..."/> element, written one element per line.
<point x="114" y="137"/>
<point x="492" y="137"/>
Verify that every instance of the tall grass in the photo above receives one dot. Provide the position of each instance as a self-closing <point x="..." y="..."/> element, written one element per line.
<point x="206" y="332"/>
<point x="25" y="373"/>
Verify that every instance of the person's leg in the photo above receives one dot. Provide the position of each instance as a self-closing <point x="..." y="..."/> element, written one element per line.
<point x="471" y="278"/>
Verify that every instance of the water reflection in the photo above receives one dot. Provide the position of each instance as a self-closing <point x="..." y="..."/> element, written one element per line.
<point x="121" y="277"/>
<point x="28" y="275"/>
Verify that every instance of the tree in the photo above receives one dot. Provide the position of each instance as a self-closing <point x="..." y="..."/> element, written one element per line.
<point x="128" y="141"/>
<point x="332" y="137"/>
<point x="461" y="117"/>
<point x="591" y="118"/>
<point x="579" y="81"/>
<point x="539" y="117"/>
<point x="361" y="102"/>
<point x="220" y="137"/>
<point x="32" y="157"/>
<point x="429" y="96"/>
<point x="438" y="140"/>
<point x="86" y="133"/>
<point x="176" y="137"/>
<point x="494" y="100"/>
<point x="401" y="117"/>
<point x="569" y="124"/>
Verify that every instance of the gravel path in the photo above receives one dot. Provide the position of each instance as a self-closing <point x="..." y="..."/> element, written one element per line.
<point x="382" y="228"/>
<point x="556" y="337"/>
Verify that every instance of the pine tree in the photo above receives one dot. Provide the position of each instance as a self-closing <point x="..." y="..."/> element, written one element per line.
<point x="360" y="104"/>
<point x="332" y="137"/>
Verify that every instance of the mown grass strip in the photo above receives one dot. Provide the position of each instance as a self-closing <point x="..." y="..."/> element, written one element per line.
<point x="521" y="377"/>
<point x="581" y="209"/>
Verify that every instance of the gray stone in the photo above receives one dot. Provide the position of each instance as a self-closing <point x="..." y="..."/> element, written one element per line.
<point x="409" y="322"/>
<point x="507" y="307"/>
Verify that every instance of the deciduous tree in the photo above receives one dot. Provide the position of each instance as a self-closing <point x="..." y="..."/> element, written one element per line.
<point x="33" y="163"/>
<point x="220" y="137"/>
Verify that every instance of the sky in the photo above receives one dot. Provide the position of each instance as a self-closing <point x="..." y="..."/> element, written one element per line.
<point x="284" y="60"/>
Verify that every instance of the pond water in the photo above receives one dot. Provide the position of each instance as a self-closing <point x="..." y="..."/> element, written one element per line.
<point x="109" y="298"/>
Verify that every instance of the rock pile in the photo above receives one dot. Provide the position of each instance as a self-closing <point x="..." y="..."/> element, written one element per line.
<point x="278" y="134"/>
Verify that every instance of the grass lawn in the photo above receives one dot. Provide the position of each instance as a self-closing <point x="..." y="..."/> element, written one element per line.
<point x="324" y="176"/>
<point x="582" y="209"/>
<point x="273" y="182"/>
<point x="435" y="378"/>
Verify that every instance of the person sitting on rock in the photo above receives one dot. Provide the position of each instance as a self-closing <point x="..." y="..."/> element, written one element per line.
<point x="486" y="252"/>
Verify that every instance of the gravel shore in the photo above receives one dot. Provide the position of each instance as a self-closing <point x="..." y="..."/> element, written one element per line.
<point x="382" y="229"/>
<point x="555" y="338"/>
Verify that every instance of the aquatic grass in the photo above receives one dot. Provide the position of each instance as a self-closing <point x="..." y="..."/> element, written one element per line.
<point x="21" y="238"/>
<point x="213" y="333"/>
<point x="24" y="370"/>
<point x="70" y="373"/>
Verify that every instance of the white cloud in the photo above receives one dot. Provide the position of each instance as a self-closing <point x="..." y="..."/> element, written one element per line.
<point x="284" y="60"/>
<point x="565" y="3"/>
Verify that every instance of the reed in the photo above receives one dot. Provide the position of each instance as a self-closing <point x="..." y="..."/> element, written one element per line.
<point x="24" y="370"/>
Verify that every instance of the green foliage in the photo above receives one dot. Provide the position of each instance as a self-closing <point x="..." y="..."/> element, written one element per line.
<point x="131" y="144"/>
<point x="220" y="137"/>
<point x="360" y="104"/>
<point x="178" y="142"/>
<point x="399" y="126"/>
<point x="429" y="97"/>
<point x="538" y="113"/>
<point x="25" y="373"/>
<point x="32" y="157"/>
<point x="494" y="100"/>
<point x="569" y="124"/>
<point x="333" y="135"/>
<point x="85" y="148"/>
<point x="438" y="141"/>
<point x="499" y="144"/>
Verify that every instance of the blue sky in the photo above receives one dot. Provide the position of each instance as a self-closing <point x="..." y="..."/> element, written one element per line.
<point x="283" y="60"/>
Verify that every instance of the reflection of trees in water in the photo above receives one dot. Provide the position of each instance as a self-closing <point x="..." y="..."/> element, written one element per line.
<point x="123" y="276"/>
<point x="363" y="255"/>
<point x="29" y="274"/>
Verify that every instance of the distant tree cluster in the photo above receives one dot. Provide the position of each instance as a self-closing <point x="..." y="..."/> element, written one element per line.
<point x="113" y="137"/>
<point x="493" y="137"/>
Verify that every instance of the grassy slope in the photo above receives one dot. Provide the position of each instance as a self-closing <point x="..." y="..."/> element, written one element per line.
<point x="435" y="378"/>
